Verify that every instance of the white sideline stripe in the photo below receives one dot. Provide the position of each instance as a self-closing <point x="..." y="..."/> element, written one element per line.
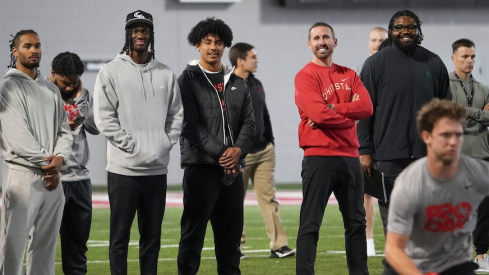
<point x="175" y="199"/>
<point x="212" y="258"/>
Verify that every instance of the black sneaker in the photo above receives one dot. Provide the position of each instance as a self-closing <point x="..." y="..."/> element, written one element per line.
<point x="282" y="252"/>
<point x="242" y="256"/>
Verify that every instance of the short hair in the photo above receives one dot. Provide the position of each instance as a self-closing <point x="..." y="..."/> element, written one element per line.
<point x="15" y="43"/>
<point x="379" y="29"/>
<point x="210" y="26"/>
<point x="437" y="109"/>
<point x="409" y="14"/>
<point x="239" y="50"/>
<point x="67" y="64"/>
<point x="464" y="42"/>
<point x="319" y="24"/>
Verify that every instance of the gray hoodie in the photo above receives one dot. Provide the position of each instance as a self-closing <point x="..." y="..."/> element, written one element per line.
<point x="139" y="110"/>
<point x="76" y="167"/>
<point x="476" y="135"/>
<point x="33" y="122"/>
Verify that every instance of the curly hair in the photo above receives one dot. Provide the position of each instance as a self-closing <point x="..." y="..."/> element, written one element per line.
<point x="67" y="64"/>
<point x="210" y="26"/>
<point x="437" y="109"/>
<point x="14" y="43"/>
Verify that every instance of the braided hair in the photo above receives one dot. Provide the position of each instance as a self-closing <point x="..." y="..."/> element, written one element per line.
<point x="127" y="48"/>
<point x="14" y="43"/>
<point x="67" y="64"/>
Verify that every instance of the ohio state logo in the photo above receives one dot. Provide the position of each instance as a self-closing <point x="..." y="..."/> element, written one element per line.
<point x="446" y="217"/>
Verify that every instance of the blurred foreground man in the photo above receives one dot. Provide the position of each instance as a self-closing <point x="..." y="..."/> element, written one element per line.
<point x="434" y="202"/>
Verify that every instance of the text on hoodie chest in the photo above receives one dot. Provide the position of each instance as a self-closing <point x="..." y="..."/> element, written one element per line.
<point x="336" y="88"/>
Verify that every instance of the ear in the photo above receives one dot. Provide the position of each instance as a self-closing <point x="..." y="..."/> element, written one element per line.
<point x="239" y="61"/>
<point x="453" y="58"/>
<point x="309" y="44"/>
<point x="15" y="52"/>
<point x="426" y="137"/>
<point x="335" y="42"/>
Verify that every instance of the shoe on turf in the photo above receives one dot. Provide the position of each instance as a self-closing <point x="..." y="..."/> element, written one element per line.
<point x="282" y="252"/>
<point x="483" y="263"/>
<point x="370" y="247"/>
<point x="242" y="256"/>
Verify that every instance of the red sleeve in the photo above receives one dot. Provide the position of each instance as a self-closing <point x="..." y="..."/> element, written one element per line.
<point x="309" y="99"/>
<point x="360" y="109"/>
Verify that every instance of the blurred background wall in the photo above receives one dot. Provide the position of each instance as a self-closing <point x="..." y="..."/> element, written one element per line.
<point x="278" y="29"/>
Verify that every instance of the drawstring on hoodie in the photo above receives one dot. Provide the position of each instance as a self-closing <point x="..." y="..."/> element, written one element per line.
<point x="150" y="81"/>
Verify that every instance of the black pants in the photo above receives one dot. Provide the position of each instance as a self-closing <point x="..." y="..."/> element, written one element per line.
<point x="206" y="198"/>
<point x="391" y="170"/>
<point x="320" y="177"/>
<point x="466" y="268"/>
<point x="481" y="231"/>
<point x="75" y="226"/>
<point x="145" y="195"/>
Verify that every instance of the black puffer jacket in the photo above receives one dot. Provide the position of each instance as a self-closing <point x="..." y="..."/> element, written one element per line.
<point x="203" y="135"/>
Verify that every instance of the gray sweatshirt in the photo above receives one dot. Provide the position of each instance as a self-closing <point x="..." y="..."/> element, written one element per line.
<point x="138" y="109"/>
<point x="33" y="122"/>
<point x="76" y="167"/>
<point x="476" y="134"/>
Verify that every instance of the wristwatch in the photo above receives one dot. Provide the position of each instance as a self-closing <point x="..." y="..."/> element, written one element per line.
<point x="64" y="159"/>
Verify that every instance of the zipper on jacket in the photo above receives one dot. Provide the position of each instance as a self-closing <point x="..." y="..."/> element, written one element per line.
<point x="220" y="105"/>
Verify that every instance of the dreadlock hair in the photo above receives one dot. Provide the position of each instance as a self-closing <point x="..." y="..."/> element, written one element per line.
<point x="210" y="26"/>
<point x="127" y="48"/>
<point x="239" y="50"/>
<point x="67" y="64"/>
<point x="409" y="14"/>
<point x="14" y="43"/>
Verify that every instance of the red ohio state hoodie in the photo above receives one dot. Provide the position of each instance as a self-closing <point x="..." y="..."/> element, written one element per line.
<point x="335" y="131"/>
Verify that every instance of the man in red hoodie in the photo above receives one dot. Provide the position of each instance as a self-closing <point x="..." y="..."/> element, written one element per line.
<point x="330" y="98"/>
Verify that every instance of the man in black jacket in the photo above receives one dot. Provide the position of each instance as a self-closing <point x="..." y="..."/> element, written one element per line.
<point x="260" y="162"/>
<point x="217" y="133"/>
<point x="401" y="78"/>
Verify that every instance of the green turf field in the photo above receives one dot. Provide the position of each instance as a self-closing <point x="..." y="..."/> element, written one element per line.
<point x="330" y="255"/>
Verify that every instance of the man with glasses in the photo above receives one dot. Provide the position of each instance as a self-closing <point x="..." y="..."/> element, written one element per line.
<point x="400" y="78"/>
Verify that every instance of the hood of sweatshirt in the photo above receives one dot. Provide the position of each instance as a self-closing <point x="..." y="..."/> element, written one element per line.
<point x="141" y="69"/>
<point x="14" y="73"/>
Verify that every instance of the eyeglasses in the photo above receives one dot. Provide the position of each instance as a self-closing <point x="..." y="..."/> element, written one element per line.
<point x="400" y="28"/>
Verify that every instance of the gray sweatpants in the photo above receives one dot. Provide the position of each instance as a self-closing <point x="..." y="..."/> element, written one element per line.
<point x="29" y="209"/>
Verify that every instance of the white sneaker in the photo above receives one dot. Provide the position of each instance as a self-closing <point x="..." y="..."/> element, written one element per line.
<point x="371" y="247"/>
<point x="483" y="263"/>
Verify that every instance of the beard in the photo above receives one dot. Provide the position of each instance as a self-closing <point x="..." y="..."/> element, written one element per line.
<point x="30" y="65"/>
<point x="407" y="48"/>
<point x="67" y="95"/>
